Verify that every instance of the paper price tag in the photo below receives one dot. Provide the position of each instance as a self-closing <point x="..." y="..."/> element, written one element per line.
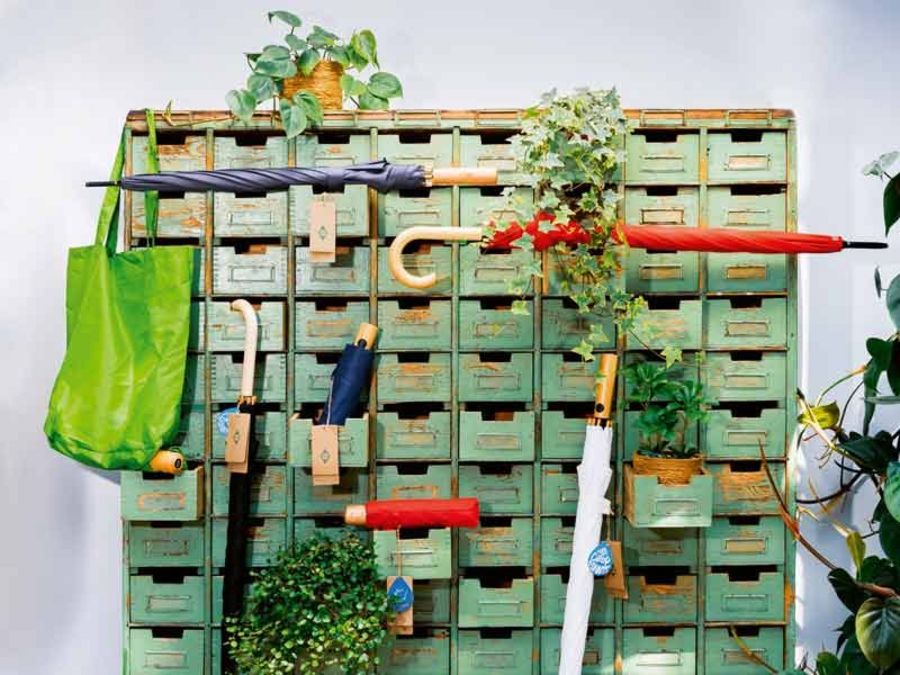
<point x="322" y="229"/>
<point x="325" y="455"/>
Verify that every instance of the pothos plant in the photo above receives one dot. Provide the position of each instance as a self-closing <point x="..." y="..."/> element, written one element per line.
<point x="277" y="63"/>
<point x="321" y="605"/>
<point x="571" y="145"/>
<point x="868" y="640"/>
<point x="668" y="408"/>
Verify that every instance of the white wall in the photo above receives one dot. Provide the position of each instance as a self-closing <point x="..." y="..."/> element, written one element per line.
<point x="70" y="71"/>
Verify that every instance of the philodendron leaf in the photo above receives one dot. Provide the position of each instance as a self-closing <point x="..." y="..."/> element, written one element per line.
<point x="857" y="547"/>
<point x="293" y="119"/>
<point x="878" y="630"/>
<point x="892" y="490"/>
<point x="364" y="43"/>
<point x="872" y="453"/>
<point x="892" y="299"/>
<point x="846" y="589"/>
<point x="828" y="664"/>
<point x="242" y="103"/>
<point x="853" y="661"/>
<point x="385" y="85"/>
<point x="308" y="60"/>
<point x="891" y="203"/>
<point x="311" y="106"/>
<point x="276" y="61"/>
<point x="340" y="55"/>
<point x="261" y="86"/>
<point x="826" y="415"/>
<point x="880" y="166"/>
<point x="295" y="43"/>
<point x="290" y="19"/>
<point x="369" y="101"/>
<point x="351" y="86"/>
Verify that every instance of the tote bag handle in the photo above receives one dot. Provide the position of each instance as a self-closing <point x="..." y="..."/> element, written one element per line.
<point x="108" y="221"/>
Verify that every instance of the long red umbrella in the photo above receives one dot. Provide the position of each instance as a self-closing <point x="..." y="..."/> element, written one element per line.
<point x="668" y="238"/>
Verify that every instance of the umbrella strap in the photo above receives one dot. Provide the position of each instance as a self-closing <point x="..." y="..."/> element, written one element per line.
<point x="329" y="400"/>
<point x="399" y="554"/>
<point x="151" y="197"/>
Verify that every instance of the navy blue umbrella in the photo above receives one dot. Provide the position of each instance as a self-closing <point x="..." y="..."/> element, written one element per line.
<point x="350" y="376"/>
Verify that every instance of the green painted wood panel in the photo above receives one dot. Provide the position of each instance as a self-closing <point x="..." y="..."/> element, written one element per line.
<point x="398" y="211"/>
<point x="553" y="601"/>
<point x="165" y="544"/>
<point x="162" y="497"/>
<point x="414" y="325"/>
<point x="497" y="545"/>
<point x="425" y="557"/>
<point x="328" y="325"/>
<point x="483" y="655"/>
<point x="724" y="655"/>
<point x="507" y="607"/>
<point x="599" y="651"/>
<point x="353" y="442"/>
<point x="506" y="438"/>
<point x="271" y="438"/>
<point x="491" y="326"/>
<point x="505" y="492"/>
<point x="180" y="652"/>
<point x="420" y="437"/>
<point x="167" y="602"/>
<point x="645" y="652"/>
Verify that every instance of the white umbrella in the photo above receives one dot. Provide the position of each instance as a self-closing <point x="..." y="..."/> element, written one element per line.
<point x="594" y="474"/>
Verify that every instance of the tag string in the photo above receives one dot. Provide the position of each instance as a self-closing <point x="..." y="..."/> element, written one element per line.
<point x="399" y="555"/>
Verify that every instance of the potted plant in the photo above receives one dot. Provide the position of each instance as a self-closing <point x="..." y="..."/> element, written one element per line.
<point x="571" y="146"/>
<point x="322" y="607"/>
<point x="668" y="409"/>
<point x="307" y="75"/>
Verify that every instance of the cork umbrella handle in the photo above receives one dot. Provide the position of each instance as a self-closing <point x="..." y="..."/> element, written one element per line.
<point x="250" y="338"/>
<point x="605" y="387"/>
<point x="426" y="233"/>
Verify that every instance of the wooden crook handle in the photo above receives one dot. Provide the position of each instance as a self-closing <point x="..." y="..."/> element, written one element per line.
<point x="250" y="337"/>
<point x="605" y="389"/>
<point x="167" y="461"/>
<point x="430" y="233"/>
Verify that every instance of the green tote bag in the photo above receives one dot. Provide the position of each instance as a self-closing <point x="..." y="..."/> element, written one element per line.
<point x="116" y="399"/>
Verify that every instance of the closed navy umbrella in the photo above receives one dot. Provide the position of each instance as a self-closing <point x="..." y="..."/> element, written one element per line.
<point x="350" y="376"/>
<point x="380" y="174"/>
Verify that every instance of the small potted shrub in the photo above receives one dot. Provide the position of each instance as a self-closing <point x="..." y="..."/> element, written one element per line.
<point x="668" y="409"/>
<point x="307" y="75"/>
<point x="321" y="608"/>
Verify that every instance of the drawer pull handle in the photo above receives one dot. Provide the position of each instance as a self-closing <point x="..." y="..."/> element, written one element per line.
<point x="496" y="440"/>
<point x="748" y="328"/>
<point x="165" y="660"/>
<point x="329" y="328"/>
<point x="746" y="381"/>
<point x="412" y="439"/>
<point x="251" y="218"/>
<point x="662" y="216"/>
<point x="663" y="163"/>
<point x="651" y="271"/>
<point x="747" y="272"/>
<point x="746" y="437"/>
<point x="730" y="656"/>
<point x="743" y="545"/>
<point x="661" y="658"/>
<point x="168" y="604"/>
<point x="744" y="601"/>
<point x="252" y="274"/>
<point x="676" y="507"/>
<point x="747" y="217"/>
<point x="749" y="162"/>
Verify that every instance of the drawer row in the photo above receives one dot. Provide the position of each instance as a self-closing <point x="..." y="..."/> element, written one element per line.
<point x="643" y="651"/>
<point x="729" y="595"/>
<point x="729" y="377"/>
<point x="261" y="270"/>
<point x="427" y="325"/>
<point x="234" y="215"/>
<point x="489" y="437"/>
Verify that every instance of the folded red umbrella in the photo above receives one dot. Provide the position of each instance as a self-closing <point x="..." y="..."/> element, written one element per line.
<point x="668" y="238"/>
<point x="390" y="514"/>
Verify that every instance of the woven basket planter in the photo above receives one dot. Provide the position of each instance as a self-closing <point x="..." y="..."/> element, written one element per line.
<point x="324" y="81"/>
<point x="669" y="470"/>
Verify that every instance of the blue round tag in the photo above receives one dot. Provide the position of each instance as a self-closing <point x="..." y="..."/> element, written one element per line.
<point x="400" y="595"/>
<point x="600" y="561"/>
<point x="222" y="420"/>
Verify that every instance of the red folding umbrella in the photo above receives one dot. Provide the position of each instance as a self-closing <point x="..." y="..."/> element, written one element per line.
<point x="668" y="238"/>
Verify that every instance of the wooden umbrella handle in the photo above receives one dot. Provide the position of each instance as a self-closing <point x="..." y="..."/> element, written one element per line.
<point x="250" y="339"/>
<point x="462" y="176"/>
<point x="605" y="388"/>
<point x="167" y="461"/>
<point x="429" y="233"/>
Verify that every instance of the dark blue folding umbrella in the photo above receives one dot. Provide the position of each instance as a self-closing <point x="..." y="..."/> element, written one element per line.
<point x="350" y="376"/>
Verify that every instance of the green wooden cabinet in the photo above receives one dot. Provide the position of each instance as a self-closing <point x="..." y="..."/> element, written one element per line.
<point x="492" y="150"/>
<point x="508" y="437"/>
<point x="413" y="481"/>
<point x="556" y="541"/>
<point x="398" y="211"/>
<point x="745" y="540"/>
<point x="414" y="325"/>
<point x="680" y="325"/>
<point x="479" y="206"/>
<point x="265" y="537"/>
<point x="563" y="327"/>
<point x="724" y="655"/>
<point x="413" y="380"/>
<point x="269" y="377"/>
<point x="224" y="327"/>
<point x="418" y="436"/>
<point x="489" y="325"/>
<point x="729" y="325"/>
<point x="271" y="438"/>
<point x="747" y="156"/>
<point x="729" y="435"/>
<point x="328" y="325"/>
<point x="666" y="157"/>
<point x="268" y="490"/>
<point x="175" y="651"/>
<point x="649" y="503"/>
<point x="351" y="209"/>
<point x="649" y="547"/>
<point x="562" y="434"/>
<point x="425" y="557"/>
<point x="259" y="270"/>
<point x="429" y="149"/>
<point x="745" y="594"/>
<point x="568" y="378"/>
<point x="421" y="259"/>
<point x="353" y="442"/>
<point x="646" y="651"/>
<point x="417" y="654"/>
<point x="599" y="651"/>
<point x="673" y="600"/>
<point x="505" y="492"/>
<point x="166" y="602"/>
<point x="347" y="275"/>
<point x="191" y="436"/>
<point x="553" y="601"/>
<point x="352" y="488"/>
<point x="171" y="545"/>
<point x="487" y="377"/>
<point x="497" y="545"/>
<point x="490" y="273"/>
<point x="744" y="488"/>
<point x="161" y="496"/>
<point x="746" y="377"/>
<point x="481" y="654"/>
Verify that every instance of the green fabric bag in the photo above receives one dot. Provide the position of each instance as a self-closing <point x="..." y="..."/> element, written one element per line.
<point x="117" y="396"/>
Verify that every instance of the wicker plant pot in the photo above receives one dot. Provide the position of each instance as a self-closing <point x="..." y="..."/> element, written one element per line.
<point x="324" y="81"/>
<point x="669" y="470"/>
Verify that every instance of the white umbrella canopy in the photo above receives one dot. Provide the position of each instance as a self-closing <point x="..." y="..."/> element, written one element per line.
<point x="594" y="475"/>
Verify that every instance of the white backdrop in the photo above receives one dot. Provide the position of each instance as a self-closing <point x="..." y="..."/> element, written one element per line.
<point x="70" y="72"/>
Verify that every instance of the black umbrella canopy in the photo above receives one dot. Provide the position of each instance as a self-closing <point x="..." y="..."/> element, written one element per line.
<point x="381" y="175"/>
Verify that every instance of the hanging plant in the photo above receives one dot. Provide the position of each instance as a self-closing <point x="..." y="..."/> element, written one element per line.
<point x="308" y="74"/>
<point x="321" y="605"/>
<point x="571" y="146"/>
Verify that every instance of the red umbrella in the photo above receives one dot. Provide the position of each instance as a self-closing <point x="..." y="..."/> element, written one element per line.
<point x="668" y="238"/>
<point x="391" y="514"/>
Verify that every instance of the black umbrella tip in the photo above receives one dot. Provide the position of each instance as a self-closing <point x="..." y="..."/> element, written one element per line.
<point x="101" y="183"/>
<point x="866" y="244"/>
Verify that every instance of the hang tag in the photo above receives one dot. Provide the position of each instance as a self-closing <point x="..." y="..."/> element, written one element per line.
<point x="322" y="229"/>
<point x="325" y="455"/>
<point x="237" y="443"/>
<point x="615" y="580"/>
<point x="600" y="561"/>
<point x="400" y="594"/>
<point x="222" y="420"/>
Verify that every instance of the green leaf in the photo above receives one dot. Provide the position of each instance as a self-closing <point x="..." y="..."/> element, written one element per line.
<point x="584" y="350"/>
<point x="369" y="101"/>
<point x="385" y="85"/>
<point x="307" y="61"/>
<point x="893" y="301"/>
<point x="892" y="490"/>
<point x="889" y="537"/>
<point x="363" y="42"/>
<point x="872" y="453"/>
<point x="295" y="43"/>
<point x="352" y="87"/>
<point x="242" y="103"/>
<point x="826" y="415"/>
<point x="290" y="19"/>
<point x="293" y="119"/>
<point x="261" y="86"/>
<point x="340" y="55"/>
<point x="846" y="589"/>
<point x="311" y="106"/>
<point x="879" y="571"/>
<point x="519" y="307"/>
<point x="880" y="166"/>
<point x="857" y="547"/>
<point x="878" y="630"/>
<point x="828" y="664"/>
<point x="853" y="661"/>
<point x="275" y="61"/>
<point x="357" y="60"/>
<point x="879" y="289"/>
<point x="321" y="38"/>
<point x="891" y="203"/>
<point x="672" y="355"/>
